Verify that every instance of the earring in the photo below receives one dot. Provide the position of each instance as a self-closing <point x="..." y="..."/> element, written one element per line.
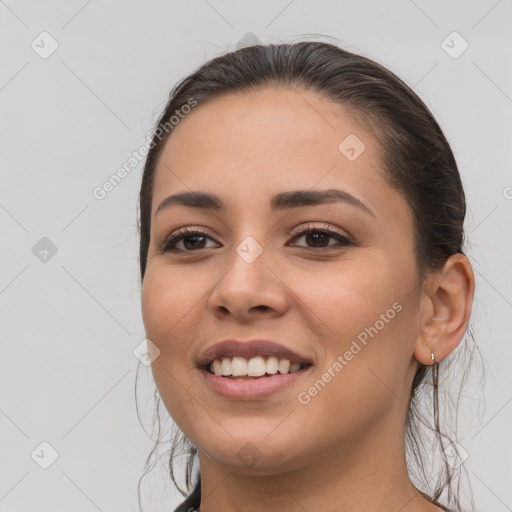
<point x="435" y="382"/>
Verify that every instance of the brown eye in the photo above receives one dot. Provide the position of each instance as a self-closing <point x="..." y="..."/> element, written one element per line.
<point x="192" y="239"/>
<point x="318" y="237"/>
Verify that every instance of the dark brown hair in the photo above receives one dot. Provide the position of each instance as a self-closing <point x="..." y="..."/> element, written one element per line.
<point x="417" y="161"/>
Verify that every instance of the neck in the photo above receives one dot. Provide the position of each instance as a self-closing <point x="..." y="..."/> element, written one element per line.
<point x="366" y="472"/>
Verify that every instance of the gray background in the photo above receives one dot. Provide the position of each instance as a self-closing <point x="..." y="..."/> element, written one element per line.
<point x="71" y="320"/>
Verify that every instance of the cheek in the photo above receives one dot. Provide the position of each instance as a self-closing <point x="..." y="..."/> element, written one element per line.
<point x="365" y="353"/>
<point x="167" y="306"/>
<point x="166" y="297"/>
<point x="371" y="316"/>
<point x="349" y="298"/>
<point x="370" y="320"/>
<point x="170" y="304"/>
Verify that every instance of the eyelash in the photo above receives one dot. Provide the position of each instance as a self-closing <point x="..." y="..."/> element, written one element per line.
<point x="169" y="244"/>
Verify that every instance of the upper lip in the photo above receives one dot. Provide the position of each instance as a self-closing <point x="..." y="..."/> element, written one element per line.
<point x="248" y="349"/>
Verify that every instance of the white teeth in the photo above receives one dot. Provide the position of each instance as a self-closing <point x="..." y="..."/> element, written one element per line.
<point x="253" y="367"/>
<point x="217" y="367"/>
<point x="226" y="367"/>
<point x="284" y="366"/>
<point x="256" y="367"/>
<point x="272" y="365"/>
<point x="239" y="366"/>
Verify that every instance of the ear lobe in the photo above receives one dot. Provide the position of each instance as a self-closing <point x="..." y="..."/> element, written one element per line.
<point x="446" y="308"/>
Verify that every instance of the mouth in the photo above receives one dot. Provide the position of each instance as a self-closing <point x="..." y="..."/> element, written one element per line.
<point x="217" y="365"/>
<point x="240" y="368"/>
<point x="238" y="384"/>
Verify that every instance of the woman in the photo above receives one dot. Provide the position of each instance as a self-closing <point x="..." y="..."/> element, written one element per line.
<point x="303" y="277"/>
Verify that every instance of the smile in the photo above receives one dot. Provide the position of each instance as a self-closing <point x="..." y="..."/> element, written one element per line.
<point x="254" y="367"/>
<point x="242" y="386"/>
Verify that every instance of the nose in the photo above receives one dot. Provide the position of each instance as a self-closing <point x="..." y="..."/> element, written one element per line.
<point x="248" y="290"/>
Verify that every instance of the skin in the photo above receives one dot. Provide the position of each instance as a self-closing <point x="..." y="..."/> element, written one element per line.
<point x="344" y="450"/>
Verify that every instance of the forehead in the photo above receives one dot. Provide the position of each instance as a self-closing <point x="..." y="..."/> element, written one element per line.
<point x="246" y="147"/>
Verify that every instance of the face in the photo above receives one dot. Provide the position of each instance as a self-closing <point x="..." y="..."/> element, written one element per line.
<point x="346" y="297"/>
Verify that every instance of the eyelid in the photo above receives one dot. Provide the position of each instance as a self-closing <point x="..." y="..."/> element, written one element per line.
<point x="179" y="234"/>
<point x="310" y="226"/>
<point x="188" y="231"/>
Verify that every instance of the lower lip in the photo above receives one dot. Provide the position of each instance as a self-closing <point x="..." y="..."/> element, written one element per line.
<point x="252" y="388"/>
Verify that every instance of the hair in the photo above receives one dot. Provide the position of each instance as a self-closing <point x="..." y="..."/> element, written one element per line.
<point x="417" y="162"/>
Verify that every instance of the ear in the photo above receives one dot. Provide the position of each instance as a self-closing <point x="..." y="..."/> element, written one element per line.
<point x="445" y="309"/>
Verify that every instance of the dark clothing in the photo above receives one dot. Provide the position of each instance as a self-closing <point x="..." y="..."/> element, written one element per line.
<point x="193" y="500"/>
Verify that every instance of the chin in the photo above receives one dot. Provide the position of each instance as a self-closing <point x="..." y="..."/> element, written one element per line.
<point x="252" y="455"/>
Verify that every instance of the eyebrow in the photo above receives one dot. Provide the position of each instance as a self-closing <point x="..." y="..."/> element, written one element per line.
<point x="279" y="202"/>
